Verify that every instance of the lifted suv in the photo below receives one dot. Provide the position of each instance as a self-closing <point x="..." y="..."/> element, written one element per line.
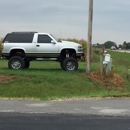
<point x="22" y="47"/>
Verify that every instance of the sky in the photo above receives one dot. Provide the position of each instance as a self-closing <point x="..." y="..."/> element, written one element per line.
<point x="68" y="18"/>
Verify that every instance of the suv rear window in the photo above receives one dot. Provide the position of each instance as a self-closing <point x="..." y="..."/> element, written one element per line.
<point x="19" y="38"/>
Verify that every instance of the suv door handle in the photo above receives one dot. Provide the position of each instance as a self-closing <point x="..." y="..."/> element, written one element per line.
<point x="37" y="45"/>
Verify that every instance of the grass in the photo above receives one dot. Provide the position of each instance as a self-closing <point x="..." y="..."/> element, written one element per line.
<point x="121" y="63"/>
<point x="45" y="80"/>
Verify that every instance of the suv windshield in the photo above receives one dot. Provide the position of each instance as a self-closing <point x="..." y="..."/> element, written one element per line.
<point x="55" y="38"/>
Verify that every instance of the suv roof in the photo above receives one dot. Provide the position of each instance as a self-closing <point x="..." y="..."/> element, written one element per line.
<point x="23" y="32"/>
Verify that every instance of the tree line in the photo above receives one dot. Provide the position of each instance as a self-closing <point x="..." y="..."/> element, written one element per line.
<point x="109" y="44"/>
<point x="125" y="45"/>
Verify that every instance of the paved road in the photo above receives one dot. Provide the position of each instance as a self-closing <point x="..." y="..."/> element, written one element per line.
<point x="109" y="107"/>
<point x="84" y="114"/>
<point x="16" y="121"/>
<point x="123" y="51"/>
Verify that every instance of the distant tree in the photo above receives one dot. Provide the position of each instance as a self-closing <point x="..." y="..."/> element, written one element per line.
<point x="97" y="45"/>
<point x="120" y="46"/>
<point x="124" y="45"/>
<point x="128" y="45"/>
<point x="109" y="44"/>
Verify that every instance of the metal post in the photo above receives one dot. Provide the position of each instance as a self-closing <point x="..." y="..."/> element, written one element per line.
<point x="101" y="63"/>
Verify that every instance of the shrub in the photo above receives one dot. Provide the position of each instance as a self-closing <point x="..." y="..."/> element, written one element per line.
<point x="0" y="45"/>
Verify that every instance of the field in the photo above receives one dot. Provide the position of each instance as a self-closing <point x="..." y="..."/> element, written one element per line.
<point x="45" y="80"/>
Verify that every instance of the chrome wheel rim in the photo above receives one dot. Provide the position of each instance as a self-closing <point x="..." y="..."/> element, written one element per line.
<point x="16" y="64"/>
<point x="70" y="65"/>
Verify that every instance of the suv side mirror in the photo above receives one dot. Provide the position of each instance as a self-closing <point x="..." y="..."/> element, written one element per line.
<point x="52" y="41"/>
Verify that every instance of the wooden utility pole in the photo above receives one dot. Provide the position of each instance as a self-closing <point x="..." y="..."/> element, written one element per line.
<point x="89" y="43"/>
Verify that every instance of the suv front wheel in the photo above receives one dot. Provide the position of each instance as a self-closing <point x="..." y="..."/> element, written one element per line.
<point x="70" y="64"/>
<point x="16" y="62"/>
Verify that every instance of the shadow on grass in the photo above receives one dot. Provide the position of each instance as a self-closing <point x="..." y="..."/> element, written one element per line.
<point x="42" y="69"/>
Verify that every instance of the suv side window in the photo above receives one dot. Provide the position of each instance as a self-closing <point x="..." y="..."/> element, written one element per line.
<point x="19" y="38"/>
<point x="44" y="39"/>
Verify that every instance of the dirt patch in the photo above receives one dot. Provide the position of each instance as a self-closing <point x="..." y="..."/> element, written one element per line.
<point x="6" y="78"/>
<point x="112" y="80"/>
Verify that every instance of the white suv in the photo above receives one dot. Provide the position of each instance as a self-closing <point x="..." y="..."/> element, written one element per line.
<point x="22" y="47"/>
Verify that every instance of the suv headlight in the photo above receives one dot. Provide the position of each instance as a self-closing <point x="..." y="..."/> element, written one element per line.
<point x="80" y="48"/>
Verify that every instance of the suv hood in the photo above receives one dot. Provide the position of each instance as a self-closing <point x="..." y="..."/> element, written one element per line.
<point x="69" y="43"/>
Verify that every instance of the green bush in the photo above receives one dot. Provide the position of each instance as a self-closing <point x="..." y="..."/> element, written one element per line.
<point x="0" y="45"/>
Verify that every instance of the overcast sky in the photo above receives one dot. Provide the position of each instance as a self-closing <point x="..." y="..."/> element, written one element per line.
<point x="68" y="18"/>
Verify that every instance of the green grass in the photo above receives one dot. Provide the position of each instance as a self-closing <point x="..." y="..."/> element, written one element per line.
<point x="45" y="80"/>
<point x="121" y="64"/>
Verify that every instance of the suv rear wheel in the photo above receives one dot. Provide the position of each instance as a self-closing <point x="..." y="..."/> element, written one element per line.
<point x="16" y="62"/>
<point x="70" y="64"/>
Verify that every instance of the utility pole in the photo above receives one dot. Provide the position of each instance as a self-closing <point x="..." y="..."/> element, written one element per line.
<point x="89" y="43"/>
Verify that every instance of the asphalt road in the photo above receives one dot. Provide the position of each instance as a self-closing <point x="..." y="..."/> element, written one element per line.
<point x="16" y="121"/>
<point x="123" y="51"/>
<point x="79" y="114"/>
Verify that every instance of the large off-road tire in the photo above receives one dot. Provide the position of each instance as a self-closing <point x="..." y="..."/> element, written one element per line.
<point x="16" y="62"/>
<point x="27" y="64"/>
<point x="70" y="64"/>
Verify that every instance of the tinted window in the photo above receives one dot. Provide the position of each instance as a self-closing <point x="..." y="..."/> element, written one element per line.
<point x="19" y="38"/>
<point x="44" y="39"/>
